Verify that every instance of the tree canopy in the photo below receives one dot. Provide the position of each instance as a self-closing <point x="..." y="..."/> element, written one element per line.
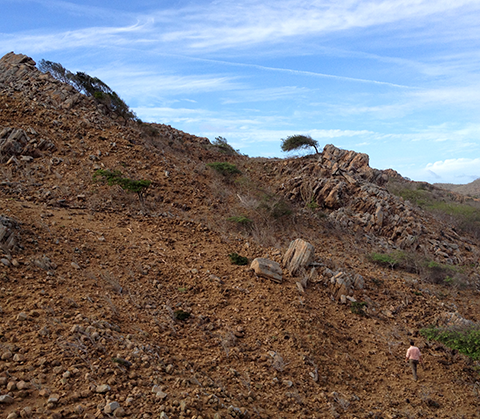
<point x="297" y="142"/>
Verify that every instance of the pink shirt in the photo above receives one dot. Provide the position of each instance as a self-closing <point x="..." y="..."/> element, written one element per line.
<point x="413" y="353"/>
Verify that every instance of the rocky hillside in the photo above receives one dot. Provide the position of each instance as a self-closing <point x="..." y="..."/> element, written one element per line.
<point x="470" y="189"/>
<point x="112" y="306"/>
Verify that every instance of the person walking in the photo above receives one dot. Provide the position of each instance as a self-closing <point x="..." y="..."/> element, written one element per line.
<point x="414" y="357"/>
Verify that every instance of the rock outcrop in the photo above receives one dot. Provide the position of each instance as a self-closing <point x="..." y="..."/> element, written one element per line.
<point x="353" y="195"/>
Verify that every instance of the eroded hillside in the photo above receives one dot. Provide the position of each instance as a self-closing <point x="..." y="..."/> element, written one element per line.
<point x="113" y="308"/>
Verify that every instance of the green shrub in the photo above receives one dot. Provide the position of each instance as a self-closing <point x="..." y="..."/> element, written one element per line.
<point x="115" y="177"/>
<point x="358" y="307"/>
<point x="224" y="168"/>
<point x="464" y="339"/>
<point x="240" y="219"/>
<point x="392" y="260"/>
<point x="438" y="273"/>
<point x="236" y="259"/>
<point x="312" y="204"/>
<point x="181" y="315"/>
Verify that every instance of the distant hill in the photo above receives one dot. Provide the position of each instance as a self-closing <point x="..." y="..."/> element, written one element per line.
<point x="470" y="189"/>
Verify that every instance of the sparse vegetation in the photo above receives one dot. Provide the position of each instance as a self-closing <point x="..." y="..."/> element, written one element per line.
<point x="392" y="260"/>
<point x="236" y="259"/>
<point x="358" y="307"/>
<point x="465" y="339"/>
<point x="298" y="142"/>
<point x="90" y="86"/>
<point x="275" y="206"/>
<point x="464" y="215"/>
<point x="181" y="315"/>
<point x="115" y="177"/>
<point x="224" y="168"/>
<point x="240" y="219"/>
<point x="222" y="145"/>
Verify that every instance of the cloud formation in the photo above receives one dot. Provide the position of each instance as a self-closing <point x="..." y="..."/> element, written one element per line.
<point x="463" y="170"/>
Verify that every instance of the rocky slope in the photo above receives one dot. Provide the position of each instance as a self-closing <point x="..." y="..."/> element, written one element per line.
<point x="470" y="189"/>
<point x="110" y="309"/>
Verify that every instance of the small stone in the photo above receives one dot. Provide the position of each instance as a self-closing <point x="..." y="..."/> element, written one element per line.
<point x="44" y="392"/>
<point x="6" y="262"/>
<point x="104" y="388"/>
<point x="161" y="395"/>
<point x="3" y="381"/>
<point x="22" y="316"/>
<point x="163" y="415"/>
<point x="19" y="357"/>
<point x="12" y="415"/>
<point x="58" y="370"/>
<point x="22" y="385"/>
<point x="169" y="369"/>
<point x="11" y="386"/>
<point x="53" y="399"/>
<point x="119" y="413"/>
<point x="79" y="409"/>
<point x="75" y="265"/>
<point x="6" y="399"/>
<point x="7" y="355"/>
<point x="111" y="407"/>
<point x="26" y="412"/>
<point x="44" y="331"/>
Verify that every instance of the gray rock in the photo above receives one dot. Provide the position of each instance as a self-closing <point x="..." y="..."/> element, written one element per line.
<point x="111" y="407"/>
<point x="22" y="316"/>
<point x="104" y="388"/>
<point x="6" y="399"/>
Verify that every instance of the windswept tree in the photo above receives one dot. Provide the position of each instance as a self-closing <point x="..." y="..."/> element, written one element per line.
<point x="89" y="86"/>
<point x="298" y="142"/>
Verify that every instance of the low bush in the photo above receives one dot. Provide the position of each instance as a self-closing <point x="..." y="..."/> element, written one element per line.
<point x="392" y="260"/>
<point x="464" y="339"/>
<point x="115" y="177"/>
<point x="236" y="259"/>
<point x="358" y="307"/>
<point x="240" y="219"/>
<point x="224" y="168"/>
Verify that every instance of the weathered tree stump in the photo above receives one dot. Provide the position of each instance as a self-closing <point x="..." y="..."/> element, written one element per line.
<point x="299" y="255"/>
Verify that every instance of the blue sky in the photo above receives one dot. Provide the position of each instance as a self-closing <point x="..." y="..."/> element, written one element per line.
<point x="398" y="79"/>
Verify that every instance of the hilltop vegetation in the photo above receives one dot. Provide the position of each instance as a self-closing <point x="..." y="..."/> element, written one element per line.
<point x="113" y="306"/>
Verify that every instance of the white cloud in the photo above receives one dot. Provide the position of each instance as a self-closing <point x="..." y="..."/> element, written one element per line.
<point x="461" y="170"/>
<point x="232" y="24"/>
